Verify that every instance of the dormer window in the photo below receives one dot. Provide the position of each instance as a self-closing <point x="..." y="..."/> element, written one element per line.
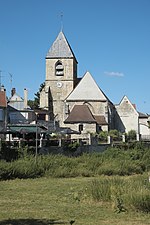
<point x="59" y="69"/>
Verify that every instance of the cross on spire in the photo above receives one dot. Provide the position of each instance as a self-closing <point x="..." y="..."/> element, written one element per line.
<point x="61" y="20"/>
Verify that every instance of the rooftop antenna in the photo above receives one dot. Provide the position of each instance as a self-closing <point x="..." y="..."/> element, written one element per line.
<point x="10" y="79"/>
<point x="61" y="20"/>
<point x="0" y="79"/>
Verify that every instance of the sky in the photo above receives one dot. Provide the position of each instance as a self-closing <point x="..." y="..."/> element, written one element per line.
<point x="110" y="39"/>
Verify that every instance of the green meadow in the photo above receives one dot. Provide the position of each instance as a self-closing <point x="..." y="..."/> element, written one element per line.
<point x="110" y="188"/>
<point x="61" y="200"/>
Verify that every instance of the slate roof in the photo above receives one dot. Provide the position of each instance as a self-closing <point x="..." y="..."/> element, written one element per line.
<point x="3" y="100"/>
<point x="87" y="89"/>
<point x="80" y="114"/>
<point x="60" y="48"/>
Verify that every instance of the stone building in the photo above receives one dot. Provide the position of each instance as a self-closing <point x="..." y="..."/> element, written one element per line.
<point x="128" y="118"/>
<point x="80" y="104"/>
<point x="73" y="102"/>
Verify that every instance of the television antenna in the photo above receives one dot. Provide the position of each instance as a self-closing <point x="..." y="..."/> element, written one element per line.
<point x="10" y="79"/>
<point x="1" y="79"/>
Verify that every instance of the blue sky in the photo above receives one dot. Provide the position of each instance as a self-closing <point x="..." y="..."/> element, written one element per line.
<point x="110" y="39"/>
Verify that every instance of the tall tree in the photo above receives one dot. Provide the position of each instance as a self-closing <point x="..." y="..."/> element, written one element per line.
<point x="34" y="104"/>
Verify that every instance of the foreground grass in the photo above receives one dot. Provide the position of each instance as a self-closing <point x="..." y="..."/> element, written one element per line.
<point x="57" y="201"/>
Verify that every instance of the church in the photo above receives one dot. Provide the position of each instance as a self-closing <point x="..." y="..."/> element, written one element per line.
<point x="79" y="103"/>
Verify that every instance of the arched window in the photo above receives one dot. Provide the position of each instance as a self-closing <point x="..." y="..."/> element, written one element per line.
<point x="59" y="69"/>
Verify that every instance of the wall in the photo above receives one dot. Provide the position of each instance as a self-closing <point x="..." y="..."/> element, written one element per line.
<point x="143" y="126"/>
<point x="127" y="118"/>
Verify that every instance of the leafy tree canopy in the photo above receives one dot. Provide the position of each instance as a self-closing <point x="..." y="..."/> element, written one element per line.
<point x="34" y="104"/>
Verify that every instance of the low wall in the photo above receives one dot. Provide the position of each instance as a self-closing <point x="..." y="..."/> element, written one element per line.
<point x="80" y="150"/>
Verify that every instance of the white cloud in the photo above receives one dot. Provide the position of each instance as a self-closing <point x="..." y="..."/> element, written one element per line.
<point x="114" y="74"/>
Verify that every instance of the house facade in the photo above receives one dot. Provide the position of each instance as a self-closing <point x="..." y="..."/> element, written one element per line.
<point x="128" y="118"/>
<point x="18" y="110"/>
<point x="79" y="103"/>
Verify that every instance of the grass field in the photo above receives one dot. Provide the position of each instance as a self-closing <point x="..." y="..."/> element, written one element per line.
<point x="44" y="201"/>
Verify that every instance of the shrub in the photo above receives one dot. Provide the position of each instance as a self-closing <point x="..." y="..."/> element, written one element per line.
<point x="115" y="135"/>
<point x="131" y="135"/>
<point x="5" y="170"/>
<point x="103" y="136"/>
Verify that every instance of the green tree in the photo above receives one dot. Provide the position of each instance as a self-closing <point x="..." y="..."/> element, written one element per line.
<point x="34" y="104"/>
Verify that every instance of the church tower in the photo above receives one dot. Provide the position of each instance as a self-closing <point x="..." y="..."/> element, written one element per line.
<point x="61" y="78"/>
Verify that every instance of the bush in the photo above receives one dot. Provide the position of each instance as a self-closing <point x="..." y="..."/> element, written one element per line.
<point x="5" y="170"/>
<point x="115" y="135"/>
<point x="131" y="135"/>
<point x="103" y="136"/>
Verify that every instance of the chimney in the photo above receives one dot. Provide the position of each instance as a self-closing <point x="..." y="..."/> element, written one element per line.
<point x="25" y="98"/>
<point x="13" y="91"/>
<point x="2" y="88"/>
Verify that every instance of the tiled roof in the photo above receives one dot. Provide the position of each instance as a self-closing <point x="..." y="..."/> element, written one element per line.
<point x="60" y="48"/>
<point x="3" y="101"/>
<point x="80" y="114"/>
<point x="100" y="120"/>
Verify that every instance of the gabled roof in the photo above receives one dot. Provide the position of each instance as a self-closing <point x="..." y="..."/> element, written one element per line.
<point x="126" y="100"/>
<point x="17" y="102"/>
<point x="16" y="98"/>
<point x="60" y="48"/>
<point x="80" y="114"/>
<point x="87" y="89"/>
<point x="3" y="100"/>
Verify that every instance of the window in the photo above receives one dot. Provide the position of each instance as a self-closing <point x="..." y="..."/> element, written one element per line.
<point x="41" y="117"/>
<point x="1" y="115"/>
<point x="67" y="109"/>
<point x="80" y="127"/>
<point x="59" y="69"/>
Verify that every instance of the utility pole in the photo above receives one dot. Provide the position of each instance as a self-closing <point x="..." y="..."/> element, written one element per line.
<point x="0" y="79"/>
<point x="36" y="139"/>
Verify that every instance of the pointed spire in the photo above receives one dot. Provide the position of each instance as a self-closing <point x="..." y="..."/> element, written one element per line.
<point x="60" y="48"/>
